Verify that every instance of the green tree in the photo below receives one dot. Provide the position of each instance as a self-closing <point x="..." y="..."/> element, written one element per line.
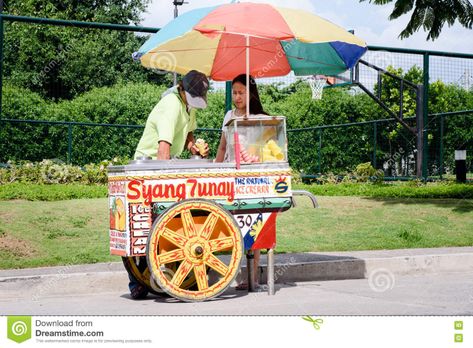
<point x="398" y="143"/>
<point x="390" y="90"/>
<point x="431" y="15"/>
<point x="62" y="62"/>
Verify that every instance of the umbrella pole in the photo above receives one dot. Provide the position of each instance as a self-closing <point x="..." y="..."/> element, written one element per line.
<point x="236" y="138"/>
<point x="247" y="75"/>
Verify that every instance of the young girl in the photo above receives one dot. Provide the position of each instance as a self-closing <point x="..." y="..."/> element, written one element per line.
<point x="239" y="101"/>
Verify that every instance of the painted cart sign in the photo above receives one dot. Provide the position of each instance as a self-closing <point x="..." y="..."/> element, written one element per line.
<point x="253" y="198"/>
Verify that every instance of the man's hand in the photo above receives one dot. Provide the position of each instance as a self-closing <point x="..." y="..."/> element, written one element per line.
<point x="195" y="150"/>
<point x="190" y="141"/>
<point x="164" y="150"/>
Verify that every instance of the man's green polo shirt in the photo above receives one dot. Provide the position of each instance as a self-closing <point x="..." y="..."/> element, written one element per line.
<point x="169" y="121"/>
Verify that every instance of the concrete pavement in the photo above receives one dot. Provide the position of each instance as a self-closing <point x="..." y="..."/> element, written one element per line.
<point x="429" y="294"/>
<point x="396" y="282"/>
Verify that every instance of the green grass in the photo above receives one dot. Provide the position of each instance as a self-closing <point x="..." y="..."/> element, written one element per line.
<point x="356" y="223"/>
<point x="58" y="192"/>
<point x="37" y="233"/>
<point x="53" y="233"/>
<point x="52" y="192"/>
<point x="392" y="190"/>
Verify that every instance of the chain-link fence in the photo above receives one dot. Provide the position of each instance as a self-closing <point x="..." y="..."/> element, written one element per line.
<point x="328" y="149"/>
<point x="450" y="132"/>
<point x="75" y="142"/>
<point x="313" y="151"/>
<point x="449" y="96"/>
<point x="317" y="151"/>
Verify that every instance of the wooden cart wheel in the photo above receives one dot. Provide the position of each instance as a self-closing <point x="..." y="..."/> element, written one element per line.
<point x="138" y="267"/>
<point x="192" y="232"/>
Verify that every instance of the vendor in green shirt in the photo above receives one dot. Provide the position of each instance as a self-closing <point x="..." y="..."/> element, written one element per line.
<point x="170" y="124"/>
<point x="168" y="132"/>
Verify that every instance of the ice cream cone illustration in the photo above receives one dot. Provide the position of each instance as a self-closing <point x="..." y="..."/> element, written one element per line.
<point x="120" y="216"/>
<point x="113" y="211"/>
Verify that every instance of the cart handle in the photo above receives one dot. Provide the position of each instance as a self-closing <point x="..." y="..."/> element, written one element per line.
<point x="307" y="194"/>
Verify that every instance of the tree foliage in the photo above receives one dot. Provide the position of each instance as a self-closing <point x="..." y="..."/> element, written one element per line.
<point x="431" y="15"/>
<point x="62" y="62"/>
<point x="331" y="149"/>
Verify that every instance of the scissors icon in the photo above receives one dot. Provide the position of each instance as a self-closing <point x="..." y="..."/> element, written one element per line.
<point x="315" y="322"/>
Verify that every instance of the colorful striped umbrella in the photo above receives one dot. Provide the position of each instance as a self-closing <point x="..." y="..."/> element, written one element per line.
<point x="260" y="39"/>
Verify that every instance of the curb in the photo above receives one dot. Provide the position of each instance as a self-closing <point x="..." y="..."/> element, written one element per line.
<point x="289" y="267"/>
<point x="366" y="268"/>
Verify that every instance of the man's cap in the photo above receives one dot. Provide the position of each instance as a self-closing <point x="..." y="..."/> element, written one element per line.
<point x="196" y="86"/>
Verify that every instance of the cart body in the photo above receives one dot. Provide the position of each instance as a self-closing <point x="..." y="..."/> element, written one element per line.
<point x="142" y="190"/>
<point x="188" y="222"/>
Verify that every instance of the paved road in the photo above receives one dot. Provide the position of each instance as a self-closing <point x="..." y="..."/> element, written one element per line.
<point x="93" y="294"/>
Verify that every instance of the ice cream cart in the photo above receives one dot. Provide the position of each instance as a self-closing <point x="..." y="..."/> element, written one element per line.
<point x="182" y="226"/>
<point x="184" y="215"/>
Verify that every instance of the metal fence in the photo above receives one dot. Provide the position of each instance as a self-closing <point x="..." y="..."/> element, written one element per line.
<point x="70" y="142"/>
<point x="313" y="150"/>
<point x="421" y="67"/>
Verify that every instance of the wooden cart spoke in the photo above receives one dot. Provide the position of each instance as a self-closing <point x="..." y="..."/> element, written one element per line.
<point x="213" y="262"/>
<point x="209" y="226"/>
<point x="200" y="273"/>
<point x="188" y="224"/>
<point x="182" y="272"/>
<point x="177" y="239"/>
<point x="171" y="256"/>
<point x="220" y="244"/>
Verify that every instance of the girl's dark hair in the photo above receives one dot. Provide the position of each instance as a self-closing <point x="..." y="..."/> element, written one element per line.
<point x="255" y="103"/>
<point x="180" y="86"/>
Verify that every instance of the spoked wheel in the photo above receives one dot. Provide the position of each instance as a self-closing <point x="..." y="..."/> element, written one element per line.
<point x="191" y="233"/>
<point x="138" y="267"/>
